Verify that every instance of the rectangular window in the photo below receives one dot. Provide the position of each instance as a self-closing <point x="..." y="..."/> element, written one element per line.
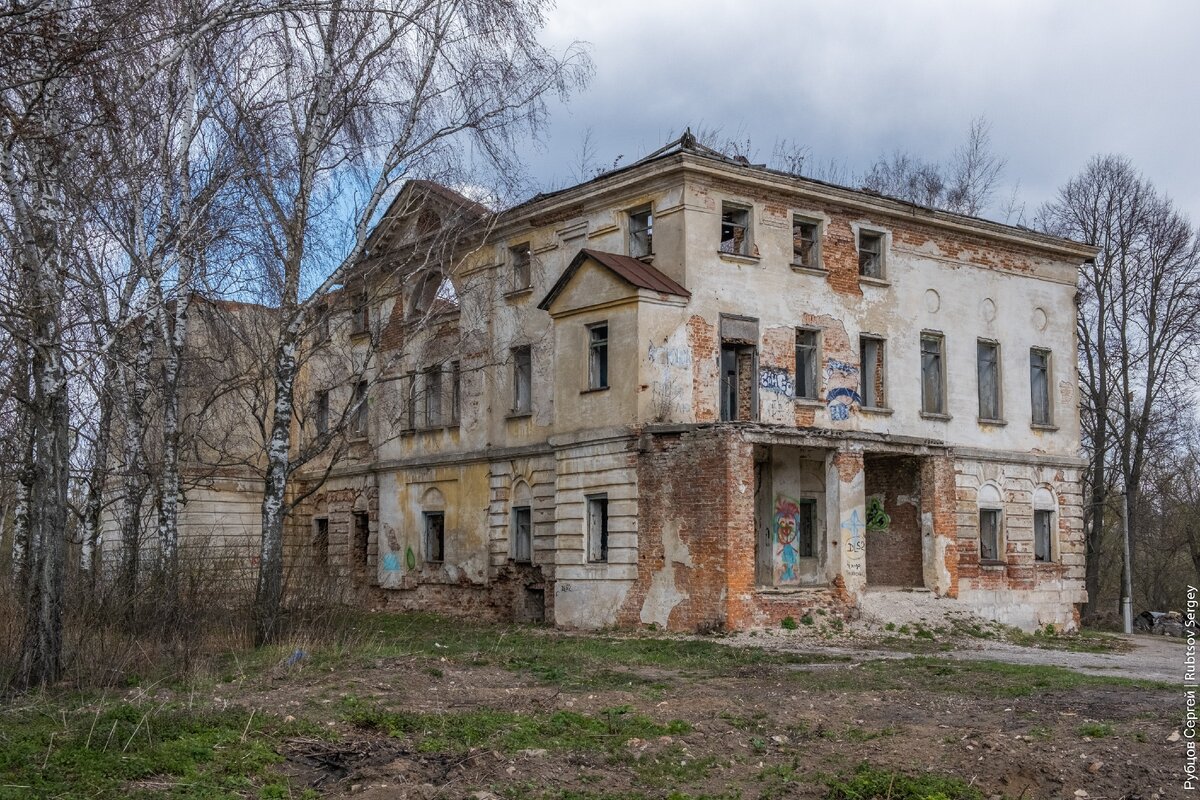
<point x="989" y="534"/>
<point x="988" y="370"/>
<point x="872" y="390"/>
<point x="409" y="412"/>
<point x="806" y="248"/>
<point x="320" y="541"/>
<point x="433" y="397"/>
<point x="735" y="229"/>
<point x="598" y="356"/>
<point x="1039" y="386"/>
<point x="360" y="314"/>
<point x="455" y="392"/>
<point x="522" y="379"/>
<point x="806" y="536"/>
<point x="522" y="262"/>
<point x="808" y="359"/>
<point x="597" y="527"/>
<point x="522" y="534"/>
<point x="1043" y="525"/>
<point x="358" y="419"/>
<point x="870" y="254"/>
<point x="322" y="412"/>
<point x="435" y="536"/>
<point x="641" y="232"/>
<point x="932" y="379"/>
<point x="362" y="537"/>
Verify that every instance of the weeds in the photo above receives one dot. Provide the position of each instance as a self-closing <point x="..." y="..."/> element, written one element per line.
<point x="869" y="783"/>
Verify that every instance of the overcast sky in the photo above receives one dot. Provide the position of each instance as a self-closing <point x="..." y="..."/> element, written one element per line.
<point x="1059" y="82"/>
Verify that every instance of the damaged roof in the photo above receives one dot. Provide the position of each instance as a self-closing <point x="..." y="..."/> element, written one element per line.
<point x="631" y="270"/>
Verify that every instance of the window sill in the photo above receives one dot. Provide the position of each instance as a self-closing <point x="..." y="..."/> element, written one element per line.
<point x="935" y="416"/>
<point x="738" y="258"/>
<point x="1042" y="426"/>
<point x="357" y="438"/>
<point x="365" y="333"/>
<point x="882" y="411"/>
<point x="519" y="415"/>
<point x="819" y="272"/>
<point x="869" y="281"/>
<point x="808" y="401"/>
<point x="994" y="422"/>
<point x="595" y="390"/>
<point x="992" y="564"/>
<point x="517" y="294"/>
<point x="648" y="258"/>
<point x="1045" y="564"/>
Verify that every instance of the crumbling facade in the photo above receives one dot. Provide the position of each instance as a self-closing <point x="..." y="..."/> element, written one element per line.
<point x="701" y="394"/>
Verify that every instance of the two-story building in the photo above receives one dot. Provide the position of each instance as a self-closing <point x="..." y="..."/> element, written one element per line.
<point x="699" y="393"/>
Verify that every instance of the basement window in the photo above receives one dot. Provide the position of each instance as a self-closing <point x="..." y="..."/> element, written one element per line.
<point x="641" y="232"/>
<point x="435" y="536"/>
<point x="597" y="527"/>
<point x="870" y="254"/>
<point x="808" y="359"/>
<point x="806" y="244"/>
<point x="522" y="262"/>
<point x="873" y="390"/>
<point x="735" y="229"/>
<point x="598" y="356"/>
<point x="522" y="534"/>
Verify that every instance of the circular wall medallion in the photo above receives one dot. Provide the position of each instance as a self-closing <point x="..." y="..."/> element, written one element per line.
<point x="988" y="309"/>
<point x="933" y="300"/>
<point x="1039" y="319"/>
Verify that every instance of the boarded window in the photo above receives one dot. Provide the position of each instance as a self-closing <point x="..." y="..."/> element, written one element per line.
<point x="358" y="420"/>
<point x="598" y="356"/>
<point x="988" y="370"/>
<point x="455" y="392"/>
<point x="1043" y="526"/>
<point x="805" y="243"/>
<point x="641" y="232"/>
<point x="362" y="536"/>
<point x="597" y="527"/>
<point x="320" y="542"/>
<point x="870" y="254"/>
<point x="522" y="379"/>
<point x="522" y="261"/>
<point x="932" y="381"/>
<point x="1039" y="386"/>
<point x="433" y="397"/>
<point x="435" y="536"/>
<point x="989" y="534"/>
<point x="322" y="412"/>
<point x="735" y="229"/>
<point x="522" y="534"/>
<point x="871" y="352"/>
<point x="807" y="363"/>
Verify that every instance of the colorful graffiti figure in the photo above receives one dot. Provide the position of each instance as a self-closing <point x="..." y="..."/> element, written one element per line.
<point x="787" y="525"/>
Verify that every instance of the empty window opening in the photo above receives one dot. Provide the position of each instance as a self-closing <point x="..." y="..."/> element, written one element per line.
<point x="641" y="232"/>
<point x="435" y="536"/>
<point x="870" y="254"/>
<point x="320" y="542"/>
<point x="522" y="262"/>
<point x="735" y="230"/>
<point x="739" y="366"/>
<point x="1039" y="386"/>
<point x="522" y="534"/>
<point x="932" y="378"/>
<point x="597" y="527"/>
<point x="989" y="534"/>
<point x="806" y="250"/>
<point x="358" y="420"/>
<point x="598" y="356"/>
<point x="360" y="313"/>
<point x="362" y="536"/>
<point x="522" y="379"/>
<point x="322" y="412"/>
<point x="1043" y="526"/>
<point x="872" y="389"/>
<point x="808" y="360"/>
<point x="455" y="392"/>
<point x="433" y="397"/>
<point x="408" y="413"/>
<point x="988" y="369"/>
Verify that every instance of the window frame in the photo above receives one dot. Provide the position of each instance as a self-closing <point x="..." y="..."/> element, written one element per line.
<point x="455" y="392"/>
<point x="1050" y="516"/>
<point x="426" y="529"/>
<point x="359" y="421"/>
<point x="880" y="365"/>
<point x="815" y="261"/>
<point x="515" y="534"/>
<point x="596" y="543"/>
<point x="813" y="370"/>
<point x="360" y="314"/>
<point x="997" y="398"/>
<point x="321" y="412"/>
<point x="522" y="376"/>
<point x="880" y="257"/>
<point x="320" y="542"/>
<point x="1047" y="368"/>
<point x="941" y="411"/>
<point x="998" y="531"/>
<point x="521" y="258"/>
<point x="361" y="546"/>
<point x="640" y="238"/>
<point x="747" y="247"/>
<point x="598" y="376"/>
<point x="432" y="411"/>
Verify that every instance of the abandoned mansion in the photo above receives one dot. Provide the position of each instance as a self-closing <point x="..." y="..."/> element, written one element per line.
<point x="695" y="393"/>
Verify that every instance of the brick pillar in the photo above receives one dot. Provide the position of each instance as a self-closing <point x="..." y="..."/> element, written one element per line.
<point x="848" y="516"/>
<point x="740" y="553"/>
<point x="939" y="525"/>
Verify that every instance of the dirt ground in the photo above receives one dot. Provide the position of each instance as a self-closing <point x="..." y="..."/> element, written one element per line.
<point x="767" y="730"/>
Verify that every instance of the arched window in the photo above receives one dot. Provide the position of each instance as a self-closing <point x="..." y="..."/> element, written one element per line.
<point x="991" y="523"/>
<point x="521" y="525"/>
<point x="433" y="519"/>
<point x="1045" y="527"/>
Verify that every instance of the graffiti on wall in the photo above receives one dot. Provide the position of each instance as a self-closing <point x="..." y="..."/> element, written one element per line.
<point x="787" y="528"/>
<point x="841" y="381"/>
<point x="778" y="380"/>
<point x="855" y="543"/>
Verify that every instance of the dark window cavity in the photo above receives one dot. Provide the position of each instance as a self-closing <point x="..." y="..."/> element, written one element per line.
<point x="735" y="230"/>
<point x="435" y="536"/>
<point x="808" y="360"/>
<point x="1043" y="527"/>
<point x="522" y="534"/>
<point x="806" y="251"/>
<point x="597" y="527"/>
<point x="989" y="534"/>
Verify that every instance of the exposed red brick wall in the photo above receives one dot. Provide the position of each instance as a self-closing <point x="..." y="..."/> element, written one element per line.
<point x="894" y="556"/>
<point x="939" y="499"/>
<point x="702" y="339"/>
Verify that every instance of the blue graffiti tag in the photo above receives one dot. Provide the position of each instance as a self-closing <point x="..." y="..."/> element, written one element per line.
<point x="391" y="562"/>
<point x="774" y="379"/>
<point x="855" y="526"/>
